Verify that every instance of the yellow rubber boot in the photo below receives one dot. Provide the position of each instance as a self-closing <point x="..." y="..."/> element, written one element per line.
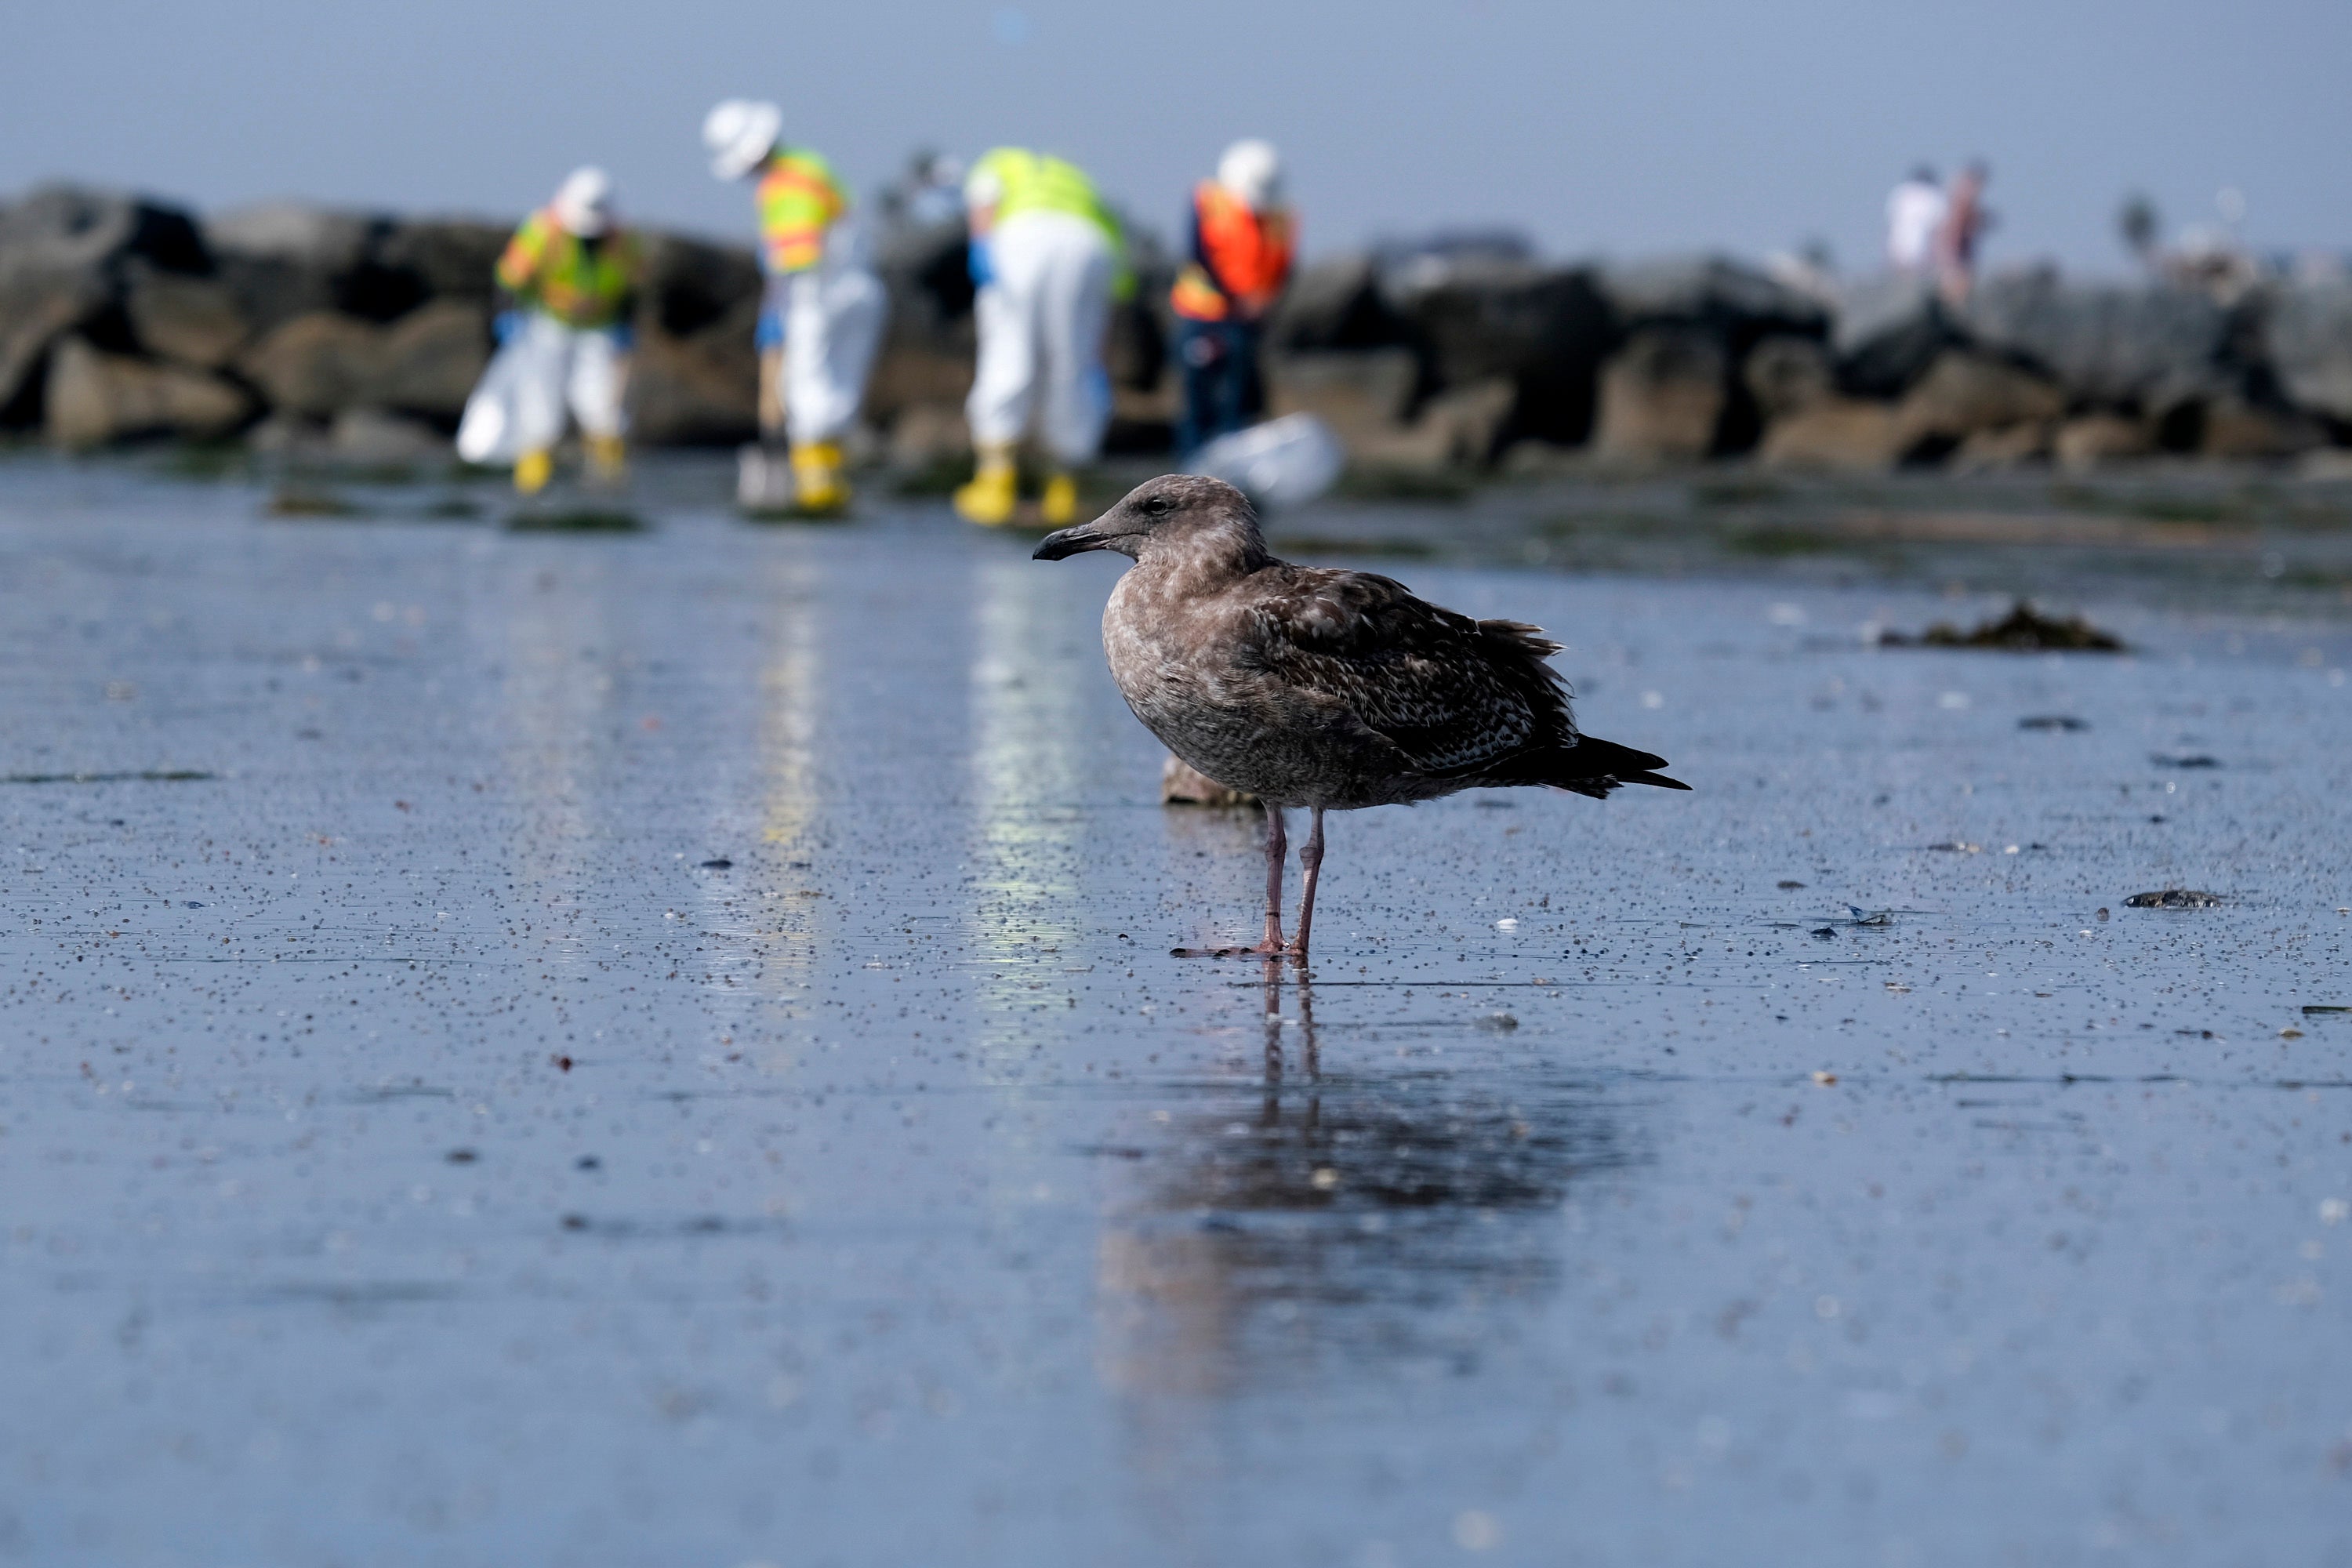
<point x="1060" y="505"/>
<point x="608" y="459"/>
<point x="533" y="470"/>
<point x="817" y="484"/>
<point x="994" y="490"/>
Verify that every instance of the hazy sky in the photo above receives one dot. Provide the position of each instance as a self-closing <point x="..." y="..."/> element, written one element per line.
<point x="1620" y="128"/>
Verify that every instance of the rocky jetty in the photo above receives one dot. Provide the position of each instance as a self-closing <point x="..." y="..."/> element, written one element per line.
<point x="302" y="329"/>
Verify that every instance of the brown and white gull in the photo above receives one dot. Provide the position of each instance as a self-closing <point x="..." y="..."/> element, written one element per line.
<point x="1316" y="688"/>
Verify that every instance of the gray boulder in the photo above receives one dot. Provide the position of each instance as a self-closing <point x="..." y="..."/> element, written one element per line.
<point x="427" y="361"/>
<point x="68" y="228"/>
<point x="63" y="253"/>
<point x="193" y="320"/>
<point x="449" y="258"/>
<point x="2139" y="347"/>
<point x="702" y="390"/>
<point x="316" y="364"/>
<point x="93" y="398"/>
<point x="2307" y="333"/>
<point x="39" y="306"/>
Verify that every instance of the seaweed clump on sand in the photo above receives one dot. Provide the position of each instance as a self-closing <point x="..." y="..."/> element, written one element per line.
<point x="2174" y="899"/>
<point x="2023" y="630"/>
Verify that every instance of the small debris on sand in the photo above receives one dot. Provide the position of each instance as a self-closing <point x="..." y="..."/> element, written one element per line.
<point x="721" y="864"/>
<point x="1498" y="1023"/>
<point x="2053" y="721"/>
<point x="2023" y="630"/>
<point x="576" y="520"/>
<point x="2174" y="899"/>
<point x="1181" y="784"/>
<point x="2199" y="761"/>
<point x="1786" y="887"/>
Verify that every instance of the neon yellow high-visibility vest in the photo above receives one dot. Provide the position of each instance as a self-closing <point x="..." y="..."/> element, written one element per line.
<point x="1039" y="183"/>
<point x="548" y="267"/>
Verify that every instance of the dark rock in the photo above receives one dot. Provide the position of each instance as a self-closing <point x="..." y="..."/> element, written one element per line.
<point x="692" y="284"/>
<point x="1965" y="391"/>
<point x="2307" y="333"/>
<point x="1663" y="395"/>
<point x="2174" y="899"/>
<point x="1545" y="331"/>
<point x="1785" y="374"/>
<point x="93" y="397"/>
<point x="449" y="258"/>
<point x="1336" y="305"/>
<point x="1738" y="302"/>
<point x="194" y="320"/>
<point x="2023" y="630"/>
<point x="1886" y="333"/>
<point x="2230" y="426"/>
<point x="2137" y="347"/>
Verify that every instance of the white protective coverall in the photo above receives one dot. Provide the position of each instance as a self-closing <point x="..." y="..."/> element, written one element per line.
<point x="834" y="314"/>
<point x="1042" y="317"/>
<point x="545" y="371"/>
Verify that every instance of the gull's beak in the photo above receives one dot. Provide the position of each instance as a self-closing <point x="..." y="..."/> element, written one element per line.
<point x="1076" y="540"/>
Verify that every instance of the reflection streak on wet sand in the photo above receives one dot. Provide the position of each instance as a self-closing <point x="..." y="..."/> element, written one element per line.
<point x="775" y="939"/>
<point x="1331" y="1221"/>
<point x="1026" y="779"/>
<point x="550" y="708"/>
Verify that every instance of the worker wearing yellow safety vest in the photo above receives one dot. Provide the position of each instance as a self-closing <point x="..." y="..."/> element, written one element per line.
<point x="821" y="318"/>
<point x="568" y="283"/>
<point x="1243" y="238"/>
<point x="1049" y="258"/>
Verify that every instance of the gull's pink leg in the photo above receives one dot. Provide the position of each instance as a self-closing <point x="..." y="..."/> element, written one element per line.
<point x="1278" y="851"/>
<point x="1310" y="862"/>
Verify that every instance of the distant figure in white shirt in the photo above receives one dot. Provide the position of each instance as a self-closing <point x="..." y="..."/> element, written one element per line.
<point x="1915" y="215"/>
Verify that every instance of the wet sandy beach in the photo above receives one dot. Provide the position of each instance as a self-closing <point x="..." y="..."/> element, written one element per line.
<point x="662" y="1050"/>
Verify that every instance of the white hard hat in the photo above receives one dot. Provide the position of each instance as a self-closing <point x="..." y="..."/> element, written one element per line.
<point x="1252" y="170"/>
<point x="983" y="187"/>
<point x="584" y="203"/>
<point x="740" y="132"/>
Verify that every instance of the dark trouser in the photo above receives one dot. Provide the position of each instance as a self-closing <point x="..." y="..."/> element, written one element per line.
<point x="1223" y="389"/>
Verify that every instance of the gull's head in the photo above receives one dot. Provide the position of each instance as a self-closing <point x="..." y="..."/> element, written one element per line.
<point x="1173" y="515"/>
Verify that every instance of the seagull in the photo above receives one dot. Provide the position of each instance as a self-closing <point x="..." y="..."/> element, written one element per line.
<point x="1319" y="689"/>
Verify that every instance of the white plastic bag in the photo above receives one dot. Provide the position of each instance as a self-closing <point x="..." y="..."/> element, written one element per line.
<point x="1283" y="462"/>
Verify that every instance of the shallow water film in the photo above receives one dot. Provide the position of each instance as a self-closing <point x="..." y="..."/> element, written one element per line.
<point x="661" y="1048"/>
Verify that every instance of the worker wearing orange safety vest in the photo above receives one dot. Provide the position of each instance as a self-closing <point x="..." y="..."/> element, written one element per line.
<point x="1243" y="238"/>
<point x="568" y="284"/>
<point x="821" y="318"/>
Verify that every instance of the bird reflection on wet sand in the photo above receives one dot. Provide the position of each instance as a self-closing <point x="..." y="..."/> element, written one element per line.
<point x="1372" y="1216"/>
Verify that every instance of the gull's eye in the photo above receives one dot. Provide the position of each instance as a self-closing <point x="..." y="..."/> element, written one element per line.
<point x="1158" y="506"/>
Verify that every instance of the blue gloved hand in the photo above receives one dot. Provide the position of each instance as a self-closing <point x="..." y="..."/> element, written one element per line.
<point x="507" y="326"/>
<point x="624" y="335"/>
<point x="982" y="269"/>
<point x="769" y="333"/>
